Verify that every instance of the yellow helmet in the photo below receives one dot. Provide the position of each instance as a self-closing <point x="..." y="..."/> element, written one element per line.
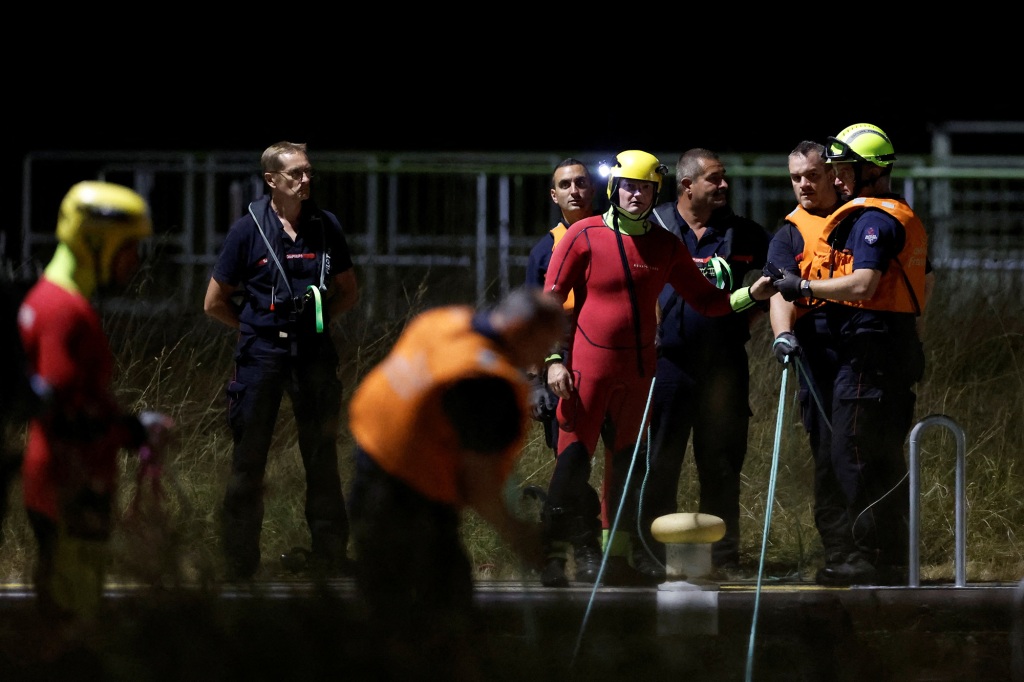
<point x="636" y="165"/>
<point x="861" y="142"/>
<point x="97" y="218"/>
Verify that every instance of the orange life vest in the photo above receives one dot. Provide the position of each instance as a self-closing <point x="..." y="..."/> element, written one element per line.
<point x="809" y="226"/>
<point x="396" y="414"/>
<point x="901" y="288"/>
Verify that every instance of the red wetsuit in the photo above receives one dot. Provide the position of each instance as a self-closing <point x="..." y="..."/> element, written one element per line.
<point x="603" y="356"/>
<point x="74" y="446"/>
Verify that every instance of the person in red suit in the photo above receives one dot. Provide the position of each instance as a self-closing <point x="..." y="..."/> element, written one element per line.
<point x="69" y="473"/>
<point x="616" y="265"/>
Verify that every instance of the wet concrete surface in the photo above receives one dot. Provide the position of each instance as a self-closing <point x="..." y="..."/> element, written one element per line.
<point x="296" y="630"/>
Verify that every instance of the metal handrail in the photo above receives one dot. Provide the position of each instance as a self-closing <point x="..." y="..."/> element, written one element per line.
<point x="1017" y="635"/>
<point x="914" y="572"/>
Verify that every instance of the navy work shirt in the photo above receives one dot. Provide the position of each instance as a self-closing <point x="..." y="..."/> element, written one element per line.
<point x="318" y="253"/>
<point x="743" y="244"/>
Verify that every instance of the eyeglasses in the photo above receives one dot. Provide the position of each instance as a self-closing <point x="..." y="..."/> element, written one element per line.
<point x="297" y="173"/>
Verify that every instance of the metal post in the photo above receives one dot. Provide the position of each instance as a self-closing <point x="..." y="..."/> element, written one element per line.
<point x="371" y="242"/>
<point x="503" y="229"/>
<point x="481" y="238"/>
<point x="914" y="568"/>
<point x="1017" y="635"/>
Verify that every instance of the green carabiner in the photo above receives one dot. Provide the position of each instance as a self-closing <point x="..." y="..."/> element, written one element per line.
<point x="319" y="308"/>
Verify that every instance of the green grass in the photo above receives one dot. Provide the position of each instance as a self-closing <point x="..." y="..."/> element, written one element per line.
<point x="179" y="365"/>
<point x="975" y="376"/>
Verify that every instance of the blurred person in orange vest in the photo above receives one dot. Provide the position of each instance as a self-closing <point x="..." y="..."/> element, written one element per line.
<point x="70" y="473"/>
<point x="870" y="265"/>
<point x="438" y="427"/>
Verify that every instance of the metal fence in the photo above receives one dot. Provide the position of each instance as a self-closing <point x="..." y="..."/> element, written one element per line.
<point x="460" y="226"/>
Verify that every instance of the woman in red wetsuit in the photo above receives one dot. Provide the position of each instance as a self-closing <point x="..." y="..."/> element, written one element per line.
<point x="616" y="265"/>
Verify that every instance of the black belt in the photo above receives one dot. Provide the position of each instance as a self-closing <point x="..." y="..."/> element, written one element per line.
<point x="286" y="338"/>
<point x="274" y="334"/>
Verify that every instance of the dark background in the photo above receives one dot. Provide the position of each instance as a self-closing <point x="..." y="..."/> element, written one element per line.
<point x="348" y="98"/>
<point x="374" y="77"/>
<point x="224" y="122"/>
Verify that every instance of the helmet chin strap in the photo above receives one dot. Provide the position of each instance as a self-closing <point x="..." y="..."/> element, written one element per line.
<point x="861" y="181"/>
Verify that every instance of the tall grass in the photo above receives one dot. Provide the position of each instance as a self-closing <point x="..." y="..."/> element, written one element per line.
<point x="974" y="340"/>
<point x="179" y="364"/>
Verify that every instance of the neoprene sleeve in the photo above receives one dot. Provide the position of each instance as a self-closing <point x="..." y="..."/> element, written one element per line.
<point x="741" y="299"/>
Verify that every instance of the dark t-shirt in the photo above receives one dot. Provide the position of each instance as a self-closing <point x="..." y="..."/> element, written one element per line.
<point x="539" y="259"/>
<point x="318" y="253"/>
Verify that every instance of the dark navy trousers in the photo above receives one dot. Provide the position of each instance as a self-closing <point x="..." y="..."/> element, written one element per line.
<point x="266" y="369"/>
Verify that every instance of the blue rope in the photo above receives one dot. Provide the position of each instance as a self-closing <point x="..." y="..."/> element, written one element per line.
<point x="767" y="520"/>
<point x="640" y="503"/>
<point x="615" y="524"/>
<point x="812" y="387"/>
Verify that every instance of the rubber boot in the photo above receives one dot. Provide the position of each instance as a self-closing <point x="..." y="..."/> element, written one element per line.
<point x="553" y="573"/>
<point x="846" y="570"/>
<point x="586" y="534"/>
<point x="569" y="498"/>
<point x="555" y="529"/>
<point x="588" y="562"/>
<point x="618" y="572"/>
<point x="650" y="565"/>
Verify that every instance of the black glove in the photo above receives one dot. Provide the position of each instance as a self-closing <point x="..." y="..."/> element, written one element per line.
<point x="786" y="346"/>
<point x="542" y="401"/>
<point x="788" y="285"/>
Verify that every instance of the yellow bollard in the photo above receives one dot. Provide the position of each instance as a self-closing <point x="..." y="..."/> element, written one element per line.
<point x="687" y="537"/>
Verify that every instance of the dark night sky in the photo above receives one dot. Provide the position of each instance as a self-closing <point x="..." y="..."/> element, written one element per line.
<point x="491" y="124"/>
<point x="532" y="81"/>
<point x="525" y="104"/>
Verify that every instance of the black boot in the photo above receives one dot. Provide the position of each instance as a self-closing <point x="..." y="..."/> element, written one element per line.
<point x="648" y="564"/>
<point x="588" y="563"/>
<point x="553" y="573"/>
<point x="568" y="503"/>
<point x="555" y="529"/>
<point x="843" y="571"/>
<point x="585" y="537"/>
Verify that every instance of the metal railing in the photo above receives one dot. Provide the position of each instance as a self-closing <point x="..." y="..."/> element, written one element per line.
<point x="914" y="565"/>
<point x="472" y="218"/>
<point x="1017" y="634"/>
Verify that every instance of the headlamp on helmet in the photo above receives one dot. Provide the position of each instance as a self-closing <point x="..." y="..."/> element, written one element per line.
<point x="861" y="142"/>
<point x="97" y="218"/>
